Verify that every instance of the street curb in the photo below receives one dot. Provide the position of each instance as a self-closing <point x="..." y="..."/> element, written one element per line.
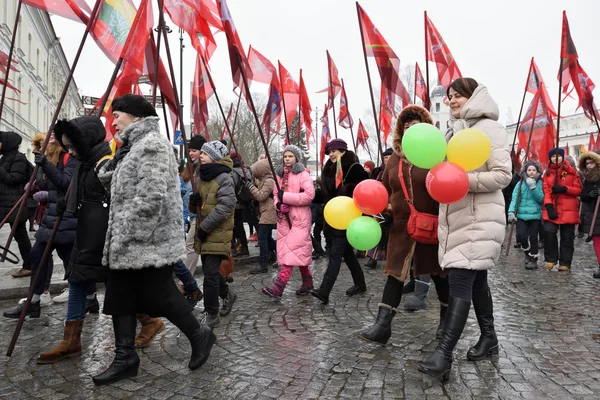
<point x="56" y="286"/>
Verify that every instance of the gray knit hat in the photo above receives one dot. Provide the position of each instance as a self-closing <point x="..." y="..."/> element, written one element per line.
<point x="295" y="150"/>
<point x="215" y="150"/>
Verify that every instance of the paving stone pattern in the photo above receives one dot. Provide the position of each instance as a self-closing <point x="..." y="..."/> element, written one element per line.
<point x="547" y="324"/>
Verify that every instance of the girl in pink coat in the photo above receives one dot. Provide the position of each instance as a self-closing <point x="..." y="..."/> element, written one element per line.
<point x="294" y="245"/>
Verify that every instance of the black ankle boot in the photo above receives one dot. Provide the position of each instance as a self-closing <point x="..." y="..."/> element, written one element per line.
<point x="439" y="364"/>
<point x="381" y="330"/>
<point x="488" y="342"/>
<point x="358" y="277"/>
<point x="201" y="338"/>
<point x="440" y="329"/>
<point x="92" y="306"/>
<point x="126" y="362"/>
<point x="33" y="311"/>
<point x="322" y="293"/>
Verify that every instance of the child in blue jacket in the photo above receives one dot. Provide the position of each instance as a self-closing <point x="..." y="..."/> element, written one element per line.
<point x="528" y="213"/>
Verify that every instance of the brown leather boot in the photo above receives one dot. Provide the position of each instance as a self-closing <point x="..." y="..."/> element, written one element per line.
<point x="150" y="328"/>
<point x="69" y="347"/>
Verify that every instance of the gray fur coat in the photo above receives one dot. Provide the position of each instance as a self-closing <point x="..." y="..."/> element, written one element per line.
<point x="145" y="225"/>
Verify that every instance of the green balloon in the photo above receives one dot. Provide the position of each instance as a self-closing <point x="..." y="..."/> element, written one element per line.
<point x="424" y="145"/>
<point x="363" y="233"/>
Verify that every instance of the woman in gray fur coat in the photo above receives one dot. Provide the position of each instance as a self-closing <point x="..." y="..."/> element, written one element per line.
<point x="143" y="240"/>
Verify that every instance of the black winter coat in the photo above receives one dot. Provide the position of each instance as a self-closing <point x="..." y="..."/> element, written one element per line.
<point x="88" y="200"/>
<point x="55" y="180"/>
<point x="15" y="171"/>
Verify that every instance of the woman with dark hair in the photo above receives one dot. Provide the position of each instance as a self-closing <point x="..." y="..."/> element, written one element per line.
<point x="471" y="231"/>
<point x="144" y="238"/>
<point x="404" y="253"/>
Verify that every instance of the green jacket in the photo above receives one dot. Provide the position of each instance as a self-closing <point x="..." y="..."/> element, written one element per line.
<point x="216" y="214"/>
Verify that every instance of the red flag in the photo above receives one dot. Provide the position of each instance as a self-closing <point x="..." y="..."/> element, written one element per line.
<point x="305" y="110"/>
<point x="334" y="85"/>
<point x="141" y="29"/>
<point x="597" y="142"/>
<point x="339" y="173"/>
<point x="201" y="92"/>
<point x="229" y="122"/>
<point x="291" y="95"/>
<point x="72" y="9"/>
<point x="592" y="142"/>
<point x="421" y="86"/>
<point x="236" y="50"/>
<point x="263" y="71"/>
<point x="387" y="61"/>
<point x="386" y="113"/>
<point x="210" y="12"/>
<point x="325" y="134"/>
<point x="362" y="136"/>
<point x="543" y="136"/>
<point x="574" y="75"/>
<point x="534" y="79"/>
<point x="186" y="15"/>
<point x="8" y="85"/>
<point x="567" y="150"/>
<point x="438" y="52"/>
<point x="345" y="119"/>
<point x="4" y="63"/>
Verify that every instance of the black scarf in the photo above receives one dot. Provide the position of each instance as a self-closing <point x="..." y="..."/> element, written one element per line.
<point x="208" y="172"/>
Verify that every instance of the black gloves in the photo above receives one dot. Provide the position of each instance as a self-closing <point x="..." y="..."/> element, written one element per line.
<point x="122" y="152"/>
<point x="557" y="189"/>
<point x="40" y="159"/>
<point x="593" y="193"/>
<point x="551" y="212"/>
<point x="61" y="206"/>
<point x="195" y="199"/>
<point x="202" y="236"/>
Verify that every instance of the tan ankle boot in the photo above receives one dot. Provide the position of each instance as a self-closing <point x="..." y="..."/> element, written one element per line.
<point x="150" y="328"/>
<point x="69" y="347"/>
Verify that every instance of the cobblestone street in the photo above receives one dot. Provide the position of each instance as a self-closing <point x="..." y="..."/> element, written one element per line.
<point x="547" y="323"/>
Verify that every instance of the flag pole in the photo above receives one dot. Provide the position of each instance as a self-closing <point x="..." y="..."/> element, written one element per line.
<point x="332" y="93"/>
<point x="161" y="22"/>
<point x="560" y="79"/>
<point x="287" y="131"/>
<point x="415" y="88"/>
<point x="428" y="100"/>
<point x="522" y="105"/>
<point x="53" y="121"/>
<point x="111" y="82"/>
<point x="362" y="36"/>
<point x="512" y="226"/>
<point x="317" y="141"/>
<point x="260" y="131"/>
<point x="347" y="109"/>
<point x="10" y="55"/>
<point x="162" y="100"/>
<point x="237" y="108"/>
<point x="214" y="88"/>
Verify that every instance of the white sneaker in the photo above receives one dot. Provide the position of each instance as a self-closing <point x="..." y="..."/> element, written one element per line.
<point x="45" y="300"/>
<point x="63" y="297"/>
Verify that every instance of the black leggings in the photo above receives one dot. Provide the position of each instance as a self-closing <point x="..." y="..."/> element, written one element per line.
<point x="463" y="282"/>
<point x="392" y="291"/>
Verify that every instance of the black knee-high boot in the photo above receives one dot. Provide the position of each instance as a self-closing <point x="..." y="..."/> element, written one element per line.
<point x="201" y="338"/>
<point x="126" y="362"/>
<point x="439" y="363"/>
<point x="488" y="341"/>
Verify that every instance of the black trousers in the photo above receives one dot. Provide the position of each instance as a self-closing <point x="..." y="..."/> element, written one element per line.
<point x="567" y="243"/>
<point x="341" y="249"/>
<point x="527" y="235"/>
<point x="37" y="251"/>
<point x="463" y="282"/>
<point x="22" y="239"/>
<point x="238" y="227"/>
<point x="214" y="283"/>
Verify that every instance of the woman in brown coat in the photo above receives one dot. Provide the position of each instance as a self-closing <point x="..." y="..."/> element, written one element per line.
<point x="403" y="253"/>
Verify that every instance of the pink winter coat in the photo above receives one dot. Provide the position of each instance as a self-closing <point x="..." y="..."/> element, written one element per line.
<point x="294" y="245"/>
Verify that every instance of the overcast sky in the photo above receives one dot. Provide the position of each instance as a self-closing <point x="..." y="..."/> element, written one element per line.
<point x="492" y="42"/>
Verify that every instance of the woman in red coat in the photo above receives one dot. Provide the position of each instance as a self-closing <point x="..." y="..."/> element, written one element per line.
<point x="561" y="210"/>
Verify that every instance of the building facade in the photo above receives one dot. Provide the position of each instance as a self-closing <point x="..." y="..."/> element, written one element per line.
<point x="43" y="69"/>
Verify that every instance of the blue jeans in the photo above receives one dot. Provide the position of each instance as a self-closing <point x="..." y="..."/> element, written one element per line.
<point x="265" y="242"/>
<point x="77" y="299"/>
<point x="185" y="276"/>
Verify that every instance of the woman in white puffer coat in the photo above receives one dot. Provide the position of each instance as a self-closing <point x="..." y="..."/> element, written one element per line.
<point x="471" y="231"/>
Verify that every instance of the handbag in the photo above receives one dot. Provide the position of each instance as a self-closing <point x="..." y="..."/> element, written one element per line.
<point x="421" y="227"/>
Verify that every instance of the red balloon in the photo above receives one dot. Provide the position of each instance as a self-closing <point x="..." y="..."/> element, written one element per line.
<point x="370" y="197"/>
<point x="447" y="183"/>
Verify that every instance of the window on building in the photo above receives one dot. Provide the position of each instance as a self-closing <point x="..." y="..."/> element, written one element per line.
<point x="5" y="12"/>
<point x="437" y="124"/>
<point x="437" y="107"/>
<point x="29" y="106"/>
<point x="19" y="95"/>
<point x="29" y="46"/>
<point x="45" y="74"/>
<point x="37" y="62"/>
<point x="38" y="115"/>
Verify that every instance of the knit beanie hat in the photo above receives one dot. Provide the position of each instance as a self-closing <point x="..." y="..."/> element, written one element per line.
<point x="196" y="142"/>
<point x="215" y="150"/>
<point x="135" y="105"/>
<point x="370" y="164"/>
<point x="336" y="144"/>
<point x="531" y="164"/>
<point x="388" y="152"/>
<point x="554" y="151"/>
<point x="294" y="150"/>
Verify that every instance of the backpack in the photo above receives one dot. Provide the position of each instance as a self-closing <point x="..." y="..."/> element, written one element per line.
<point x="242" y="193"/>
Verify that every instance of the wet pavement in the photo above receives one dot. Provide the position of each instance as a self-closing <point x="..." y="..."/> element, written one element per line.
<point x="547" y="325"/>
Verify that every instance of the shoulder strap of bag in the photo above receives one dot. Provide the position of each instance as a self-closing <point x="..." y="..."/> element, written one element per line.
<point x="406" y="196"/>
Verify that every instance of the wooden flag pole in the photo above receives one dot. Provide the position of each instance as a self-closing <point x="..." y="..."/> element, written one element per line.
<point x="237" y="108"/>
<point x="111" y="82"/>
<point x="362" y="36"/>
<point x="287" y="131"/>
<point x="521" y="109"/>
<point x="332" y="93"/>
<point x="560" y="78"/>
<point x="317" y="161"/>
<point x="10" y="55"/>
<point x="161" y="22"/>
<point x="164" y="107"/>
<point x="53" y="121"/>
<point x="428" y="100"/>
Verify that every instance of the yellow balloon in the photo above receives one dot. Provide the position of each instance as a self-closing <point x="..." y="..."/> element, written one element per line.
<point x="469" y="148"/>
<point x="340" y="211"/>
